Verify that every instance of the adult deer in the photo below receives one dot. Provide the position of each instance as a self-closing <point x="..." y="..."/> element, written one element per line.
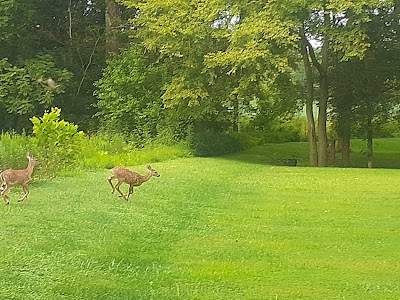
<point x="130" y="177"/>
<point x="12" y="177"/>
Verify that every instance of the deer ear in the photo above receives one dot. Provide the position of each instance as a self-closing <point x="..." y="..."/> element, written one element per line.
<point x="148" y="167"/>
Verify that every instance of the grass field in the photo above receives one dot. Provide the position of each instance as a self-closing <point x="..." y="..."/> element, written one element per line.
<point x="386" y="154"/>
<point x="208" y="228"/>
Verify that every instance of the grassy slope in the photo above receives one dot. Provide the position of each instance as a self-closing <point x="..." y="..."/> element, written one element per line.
<point x="207" y="229"/>
<point x="386" y="153"/>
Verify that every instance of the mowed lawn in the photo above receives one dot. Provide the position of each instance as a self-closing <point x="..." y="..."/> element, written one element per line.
<point x="208" y="228"/>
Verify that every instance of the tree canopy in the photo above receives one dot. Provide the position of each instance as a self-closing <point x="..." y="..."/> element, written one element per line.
<point x="183" y="67"/>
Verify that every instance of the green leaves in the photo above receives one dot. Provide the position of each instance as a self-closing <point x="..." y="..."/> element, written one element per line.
<point x="129" y="94"/>
<point x="5" y="8"/>
<point x="34" y="83"/>
<point x="58" y="141"/>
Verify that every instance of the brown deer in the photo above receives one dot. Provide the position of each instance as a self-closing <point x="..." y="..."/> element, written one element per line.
<point x="130" y="177"/>
<point x="12" y="177"/>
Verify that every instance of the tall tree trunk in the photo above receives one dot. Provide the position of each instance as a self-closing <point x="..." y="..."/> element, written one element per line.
<point x="323" y="104"/>
<point x="370" y="150"/>
<point x="113" y="20"/>
<point x="324" y="94"/>
<point x="235" y="123"/>
<point x="344" y="130"/>
<point x="344" y="140"/>
<point x="311" y="132"/>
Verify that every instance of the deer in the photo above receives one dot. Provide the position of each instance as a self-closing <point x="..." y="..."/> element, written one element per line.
<point x="12" y="177"/>
<point x="130" y="177"/>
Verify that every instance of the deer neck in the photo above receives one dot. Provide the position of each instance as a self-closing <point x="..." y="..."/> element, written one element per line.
<point x="146" y="177"/>
<point x="29" y="168"/>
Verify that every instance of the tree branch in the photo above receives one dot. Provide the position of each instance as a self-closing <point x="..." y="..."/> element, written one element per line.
<point x="87" y="66"/>
<point x="70" y="19"/>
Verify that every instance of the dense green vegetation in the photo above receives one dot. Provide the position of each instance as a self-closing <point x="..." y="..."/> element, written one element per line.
<point x="204" y="73"/>
<point x="208" y="228"/>
<point x="220" y="96"/>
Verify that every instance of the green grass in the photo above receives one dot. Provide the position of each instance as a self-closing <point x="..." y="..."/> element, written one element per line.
<point x="386" y="154"/>
<point x="211" y="228"/>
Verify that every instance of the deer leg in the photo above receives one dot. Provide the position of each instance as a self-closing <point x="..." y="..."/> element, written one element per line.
<point x="110" y="182"/>
<point x="26" y="191"/>
<point x="119" y="191"/>
<point x="130" y="191"/>
<point x="5" y="189"/>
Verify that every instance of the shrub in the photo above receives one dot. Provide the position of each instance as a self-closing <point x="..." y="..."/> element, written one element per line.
<point x="13" y="149"/>
<point x="151" y="154"/>
<point x="209" y="143"/>
<point x="58" y="142"/>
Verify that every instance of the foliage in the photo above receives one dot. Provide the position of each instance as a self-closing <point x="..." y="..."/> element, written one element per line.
<point x="98" y="159"/>
<point x="214" y="74"/>
<point x="362" y="90"/>
<point x="129" y="96"/>
<point x="72" y="33"/>
<point x="5" y="7"/>
<point x="63" y="150"/>
<point x="105" y="150"/>
<point x="58" y="142"/>
<point x="31" y="87"/>
<point x="208" y="143"/>
<point x="13" y="149"/>
<point x="189" y="63"/>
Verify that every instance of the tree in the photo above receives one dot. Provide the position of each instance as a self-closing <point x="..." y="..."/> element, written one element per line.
<point x="361" y="88"/>
<point x="130" y="95"/>
<point x="72" y="33"/>
<point x="215" y="73"/>
<point x="114" y="27"/>
<point x="339" y="29"/>
<point x="27" y="89"/>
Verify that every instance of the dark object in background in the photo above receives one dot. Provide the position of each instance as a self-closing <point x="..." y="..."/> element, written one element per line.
<point x="292" y="162"/>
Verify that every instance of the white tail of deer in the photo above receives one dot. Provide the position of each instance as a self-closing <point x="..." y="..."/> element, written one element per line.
<point x="130" y="177"/>
<point x="12" y="177"/>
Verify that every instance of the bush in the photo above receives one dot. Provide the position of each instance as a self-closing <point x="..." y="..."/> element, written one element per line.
<point x="213" y="144"/>
<point x="288" y="131"/>
<point x="13" y="149"/>
<point x="151" y="154"/>
<point x="58" y="142"/>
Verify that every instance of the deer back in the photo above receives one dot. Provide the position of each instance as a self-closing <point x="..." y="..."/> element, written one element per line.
<point x="12" y="177"/>
<point x="127" y="175"/>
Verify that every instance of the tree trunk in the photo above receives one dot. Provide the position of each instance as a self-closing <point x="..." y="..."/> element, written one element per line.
<point x="323" y="99"/>
<point x="311" y="133"/>
<point x="324" y="94"/>
<point x="113" y="20"/>
<point x="235" y="123"/>
<point x="344" y="129"/>
<point x="370" y="150"/>
<point x="345" y="149"/>
<point x="332" y="151"/>
<point x="322" y="118"/>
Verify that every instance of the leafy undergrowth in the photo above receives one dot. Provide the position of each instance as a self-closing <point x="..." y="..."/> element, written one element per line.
<point x="210" y="228"/>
